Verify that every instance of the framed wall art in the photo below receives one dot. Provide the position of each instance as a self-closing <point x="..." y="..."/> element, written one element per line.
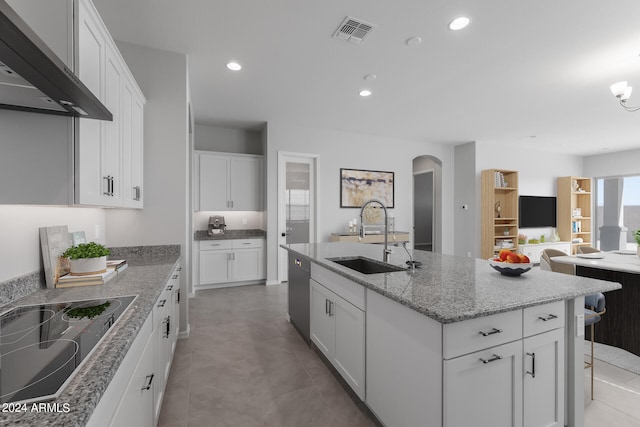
<point x="357" y="186"/>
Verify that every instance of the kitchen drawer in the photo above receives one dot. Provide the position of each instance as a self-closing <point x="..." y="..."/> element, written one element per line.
<point x="483" y="332"/>
<point x="215" y="244"/>
<point x="347" y="289"/>
<point x="542" y="318"/>
<point x="247" y="243"/>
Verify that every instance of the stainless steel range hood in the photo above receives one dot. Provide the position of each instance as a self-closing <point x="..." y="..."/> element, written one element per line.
<point x="33" y="78"/>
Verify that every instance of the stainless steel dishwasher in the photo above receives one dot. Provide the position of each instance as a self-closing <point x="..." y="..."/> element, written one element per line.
<point x="299" y="276"/>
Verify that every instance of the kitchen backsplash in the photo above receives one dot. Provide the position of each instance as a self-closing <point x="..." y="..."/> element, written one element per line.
<point x="234" y="220"/>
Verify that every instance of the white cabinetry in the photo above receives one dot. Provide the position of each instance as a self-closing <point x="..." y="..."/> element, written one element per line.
<point x="108" y="155"/>
<point x="337" y="327"/>
<point x="231" y="261"/>
<point x="485" y="367"/>
<point x="534" y="251"/>
<point x="135" y="394"/>
<point x="227" y="182"/>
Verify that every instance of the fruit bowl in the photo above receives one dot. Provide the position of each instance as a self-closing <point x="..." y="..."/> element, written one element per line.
<point x="510" y="269"/>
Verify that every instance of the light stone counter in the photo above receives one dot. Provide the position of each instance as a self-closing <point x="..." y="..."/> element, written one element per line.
<point x="451" y="289"/>
<point x="149" y="270"/>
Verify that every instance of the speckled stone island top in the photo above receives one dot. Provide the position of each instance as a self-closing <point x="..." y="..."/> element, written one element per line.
<point x="448" y="288"/>
<point x="231" y="234"/>
<point x="149" y="270"/>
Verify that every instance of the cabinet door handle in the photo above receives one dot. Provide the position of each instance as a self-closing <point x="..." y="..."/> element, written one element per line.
<point x="149" y="379"/>
<point x="533" y="365"/>
<point x="112" y="180"/>
<point x="167" y="323"/>
<point x="549" y="317"/>
<point x="178" y="296"/>
<point x="492" y="359"/>
<point x="330" y="308"/>
<point x="108" y="179"/>
<point x="232" y="203"/>
<point x="326" y="306"/>
<point x="491" y="332"/>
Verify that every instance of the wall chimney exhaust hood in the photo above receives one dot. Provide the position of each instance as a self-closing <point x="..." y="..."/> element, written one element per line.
<point x="33" y="78"/>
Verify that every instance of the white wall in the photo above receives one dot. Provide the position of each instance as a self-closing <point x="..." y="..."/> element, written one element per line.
<point x="620" y="163"/>
<point x="538" y="172"/>
<point x="234" y="220"/>
<point x="162" y="76"/>
<point x="19" y="234"/>
<point x="228" y="140"/>
<point x="337" y="150"/>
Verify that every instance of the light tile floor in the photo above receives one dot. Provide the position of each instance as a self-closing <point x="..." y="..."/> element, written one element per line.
<point x="244" y="365"/>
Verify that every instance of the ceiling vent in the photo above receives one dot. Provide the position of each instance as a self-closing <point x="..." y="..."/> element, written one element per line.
<point x="353" y="30"/>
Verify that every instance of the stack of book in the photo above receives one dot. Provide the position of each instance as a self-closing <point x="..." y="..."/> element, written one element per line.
<point x="113" y="267"/>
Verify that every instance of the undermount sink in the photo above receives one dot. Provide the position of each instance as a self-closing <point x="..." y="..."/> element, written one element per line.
<point x="366" y="265"/>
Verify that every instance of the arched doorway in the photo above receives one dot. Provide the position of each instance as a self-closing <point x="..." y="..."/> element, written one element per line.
<point x="427" y="202"/>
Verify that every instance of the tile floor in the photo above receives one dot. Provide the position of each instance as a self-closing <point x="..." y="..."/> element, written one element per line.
<point x="244" y="365"/>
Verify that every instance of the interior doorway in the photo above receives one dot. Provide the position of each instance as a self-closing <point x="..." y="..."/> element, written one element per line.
<point x="423" y="201"/>
<point x="296" y="203"/>
<point x="427" y="203"/>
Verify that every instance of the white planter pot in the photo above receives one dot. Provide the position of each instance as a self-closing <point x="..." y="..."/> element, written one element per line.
<point x="638" y="250"/>
<point x="84" y="266"/>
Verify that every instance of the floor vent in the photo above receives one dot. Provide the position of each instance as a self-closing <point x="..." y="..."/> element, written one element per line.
<point x="353" y="30"/>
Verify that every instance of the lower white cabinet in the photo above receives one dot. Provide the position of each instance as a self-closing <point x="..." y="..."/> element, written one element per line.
<point x="534" y="251"/>
<point x="486" y="385"/>
<point x="231" y="261"/>
<point x="134" y="396"/>
<point x="516" y="378"/>
<point x="136" y="405"/>
<point x="338" y="330"/>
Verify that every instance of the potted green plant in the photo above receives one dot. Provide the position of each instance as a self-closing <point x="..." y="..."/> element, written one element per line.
<point x="87" y="258"/>
<point x="636" y="235"/>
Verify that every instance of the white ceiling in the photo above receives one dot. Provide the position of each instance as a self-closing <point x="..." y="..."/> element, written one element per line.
<point x="522" y="68"/>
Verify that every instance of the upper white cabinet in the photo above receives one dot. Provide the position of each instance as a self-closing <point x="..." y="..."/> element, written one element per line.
<point x="228" y="182"/>
<point x="108" y="155"/>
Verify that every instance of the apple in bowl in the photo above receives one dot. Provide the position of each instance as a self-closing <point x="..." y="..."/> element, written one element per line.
<point x="510" y="263"/>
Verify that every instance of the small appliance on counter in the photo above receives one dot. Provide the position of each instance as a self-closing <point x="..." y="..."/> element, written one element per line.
<point x="216" y="225"/>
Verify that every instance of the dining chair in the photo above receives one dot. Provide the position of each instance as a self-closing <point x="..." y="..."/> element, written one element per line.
<point x="594" y="305"/>
<point x="588" y="250"/>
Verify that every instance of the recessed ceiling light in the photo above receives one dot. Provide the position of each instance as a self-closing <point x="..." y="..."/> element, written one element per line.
<point x="459" y="23"/>
<point x="234" y="66"/>
<point x="370" y="77"/>
<point x="365" y="92"/>
<point x="414" y="41"/>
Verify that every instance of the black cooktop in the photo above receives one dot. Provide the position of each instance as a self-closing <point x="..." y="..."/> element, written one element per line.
<point x="41" y="346"/>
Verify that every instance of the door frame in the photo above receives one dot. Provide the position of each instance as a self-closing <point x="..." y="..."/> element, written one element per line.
<point x="312" y="160"/>
<point x="432" y="171"/>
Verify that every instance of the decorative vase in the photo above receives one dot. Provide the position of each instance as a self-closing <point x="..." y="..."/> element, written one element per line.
<point x="554" y="236"/>
<point x="86" y="266"/>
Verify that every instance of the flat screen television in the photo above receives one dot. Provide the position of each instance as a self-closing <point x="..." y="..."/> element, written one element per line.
<point x="537" y="211"/>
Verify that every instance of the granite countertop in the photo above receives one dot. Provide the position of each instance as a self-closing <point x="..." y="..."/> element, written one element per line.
<point x="231" y="234"/>
<point x="146" y="276"/>
<point x="448" y="288"/>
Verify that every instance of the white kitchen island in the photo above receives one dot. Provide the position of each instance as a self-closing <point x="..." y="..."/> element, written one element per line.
<point x="453" y="343"/>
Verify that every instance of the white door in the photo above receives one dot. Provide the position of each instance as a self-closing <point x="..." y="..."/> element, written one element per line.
<point x="297" y="215"/>
<point x="322" y="324"/>
<point x="245" y="184"/>
<point x="486" y="385"/>
<point x="544" y="380"/>
<point x="214" y="182"/>
<point x="215" y="267"/>
<point x="348" y="355"/>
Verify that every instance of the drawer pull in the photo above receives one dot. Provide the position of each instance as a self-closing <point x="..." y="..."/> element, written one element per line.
<point x="491" y="332"/>
<point x="149" y="381"/>
<point x="533" y="365"/>
<point x="549" y="317"/>
<point x="246" y="243"/>
<point x="169" y="288"/>
<point x="162" y="303"/>
<point x="174" y="277"/>
<point x="493" y="359"/>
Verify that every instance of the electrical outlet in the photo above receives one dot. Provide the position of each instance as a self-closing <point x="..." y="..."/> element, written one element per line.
<point x="580" y="325"/>
<point x="244" y="221"/>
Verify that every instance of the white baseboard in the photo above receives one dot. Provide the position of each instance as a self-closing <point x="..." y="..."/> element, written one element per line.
<point x="227" y="285"/>
<point x="286" y="316"/>
<point x="273" y="282"/>
<point x="185" y="334"/>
